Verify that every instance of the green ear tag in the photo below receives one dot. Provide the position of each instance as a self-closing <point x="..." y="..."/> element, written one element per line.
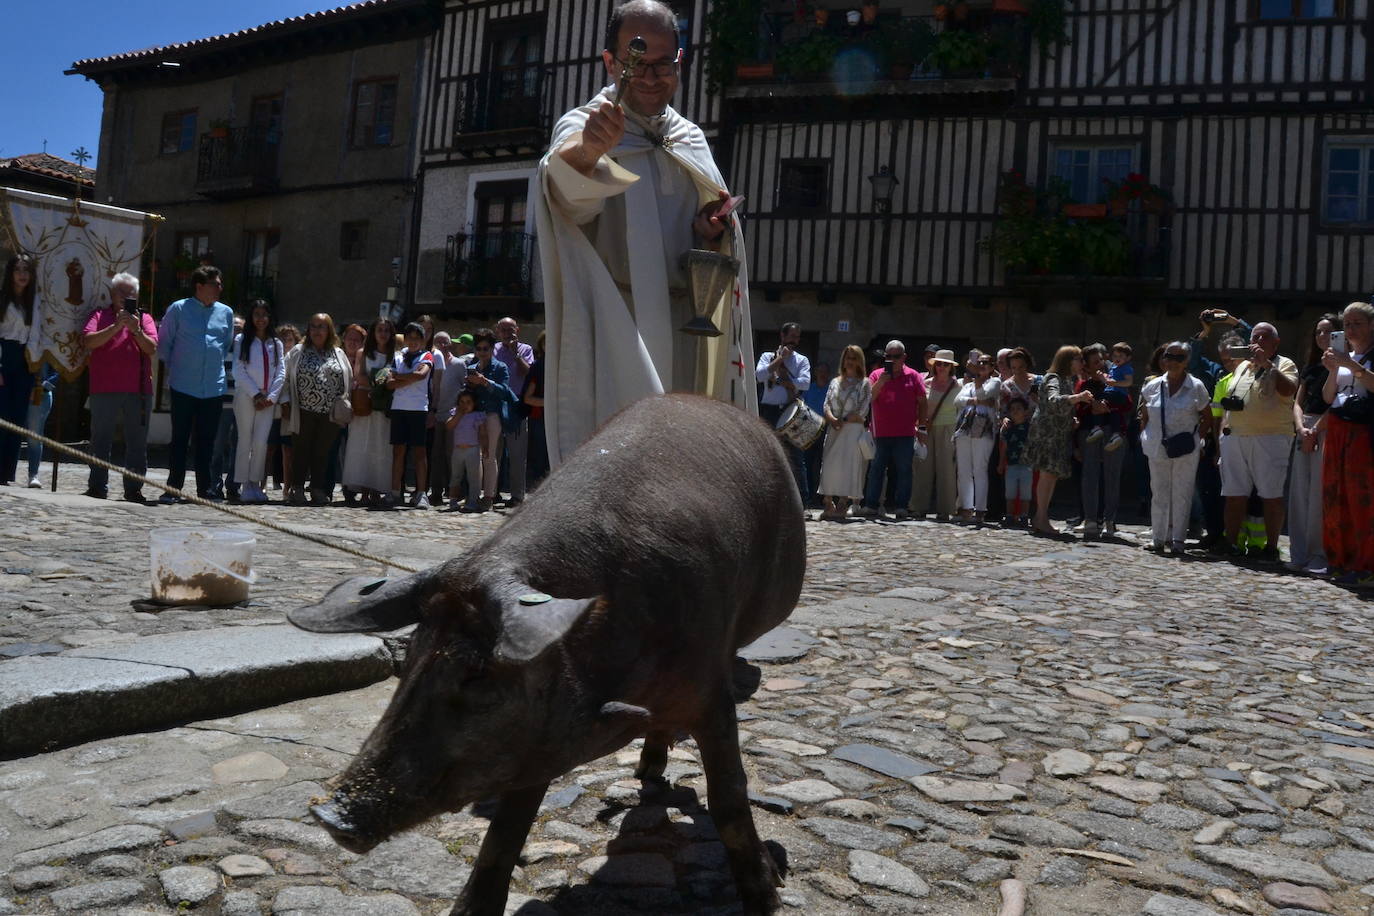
<point x="535" y="598"/>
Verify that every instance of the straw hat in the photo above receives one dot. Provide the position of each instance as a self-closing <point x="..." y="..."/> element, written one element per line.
<point x="943" y="356"/>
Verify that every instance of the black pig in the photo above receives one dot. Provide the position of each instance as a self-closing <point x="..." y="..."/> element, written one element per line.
<point x="609" y="607"/>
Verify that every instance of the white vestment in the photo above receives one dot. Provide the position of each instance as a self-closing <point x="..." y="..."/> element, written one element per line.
<point x="610" y="248"/>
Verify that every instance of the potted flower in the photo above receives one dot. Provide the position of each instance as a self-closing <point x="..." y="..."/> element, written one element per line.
<point x="1085" y="211"/>
<point x="810" y="58"/>
<point x="1135" y="187"/>
<point x="959" y="54"/>
<point x="904" y="44"/>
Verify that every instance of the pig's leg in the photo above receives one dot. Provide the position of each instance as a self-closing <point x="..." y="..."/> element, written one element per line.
<point x="486" y="891"/>
<point x="654" y="758"/>
<point x="756" y="875"/>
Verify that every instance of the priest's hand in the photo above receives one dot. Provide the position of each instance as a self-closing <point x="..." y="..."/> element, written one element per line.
<point x="708" y="225"/>
<point x="603" y="130"/>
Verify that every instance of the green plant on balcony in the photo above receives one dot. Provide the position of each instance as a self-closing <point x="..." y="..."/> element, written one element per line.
<point x="959" y="53"/>
<point x="1049" y="24"/>
<point x="1100" y="246"/>
<point x="734" y="31"/>
<point x="904" y="44"/>
<point x="1035" y="235"/>
<point x="809" y="58"/>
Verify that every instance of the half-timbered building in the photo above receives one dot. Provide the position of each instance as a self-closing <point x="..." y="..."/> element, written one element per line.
<point x="873" y="200"/>
<point x="1183" y="153"/>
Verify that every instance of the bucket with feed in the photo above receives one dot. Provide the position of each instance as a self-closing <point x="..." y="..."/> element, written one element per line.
<point x="211" y="566"/>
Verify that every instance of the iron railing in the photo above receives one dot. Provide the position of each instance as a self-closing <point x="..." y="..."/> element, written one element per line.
<point x="493" y="263"/>
<point x="511" y="99"/>
<point x="243" y="158"/>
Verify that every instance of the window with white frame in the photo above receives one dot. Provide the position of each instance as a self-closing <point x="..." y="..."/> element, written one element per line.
<point x="1348" y="181"/>
<point x="1086" y="166"/>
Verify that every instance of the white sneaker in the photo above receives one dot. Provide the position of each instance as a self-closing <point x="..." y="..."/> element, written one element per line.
<point x="1316" y="568"/>
<point x="1114" y="443"/>
<point x="421" y="501"/>
<point x="35" y="483"/>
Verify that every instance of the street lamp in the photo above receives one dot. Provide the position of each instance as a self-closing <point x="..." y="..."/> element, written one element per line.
<point x="884" y="185"/>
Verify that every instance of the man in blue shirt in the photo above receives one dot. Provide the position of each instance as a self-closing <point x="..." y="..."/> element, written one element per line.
<point x="193" y="341"/>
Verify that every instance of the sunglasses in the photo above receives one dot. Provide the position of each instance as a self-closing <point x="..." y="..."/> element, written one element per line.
<point x="1176" y="357"/>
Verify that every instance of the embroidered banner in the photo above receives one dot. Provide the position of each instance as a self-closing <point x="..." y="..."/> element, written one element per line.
<point x="77" y="252"/>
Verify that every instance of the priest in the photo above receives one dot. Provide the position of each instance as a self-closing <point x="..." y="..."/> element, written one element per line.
<point x="627" y="188"/>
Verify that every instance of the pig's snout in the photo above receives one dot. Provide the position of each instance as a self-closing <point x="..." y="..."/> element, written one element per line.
<point x="345" y="831"/>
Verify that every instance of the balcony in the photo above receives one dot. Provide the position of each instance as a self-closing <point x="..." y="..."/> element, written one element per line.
<point x="1052" y="246"/>
<point x="489" y="270"/>
<point x="237" y="162"/>
<point x="260" y="283"/>
<point x="892" y="63"/>
<point x="506" y="111"/>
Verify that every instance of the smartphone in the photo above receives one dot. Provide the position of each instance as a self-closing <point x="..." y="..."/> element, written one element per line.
<point x="1239" y="352"/>
<point x="1338" y="342"/>
<point x="131" y="306"/>
<point x="730" y="205"/>
<point x="887" y="366"/>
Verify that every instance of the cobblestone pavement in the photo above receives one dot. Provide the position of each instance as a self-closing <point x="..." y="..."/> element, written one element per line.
<point x="1124" y="733"/>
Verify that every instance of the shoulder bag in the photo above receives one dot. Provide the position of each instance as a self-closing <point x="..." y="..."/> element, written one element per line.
<point x="341" y="411"/>
<point x="1179" y="444"/>
<point x="1357" y="408"/>
<point x="361" y="395"/>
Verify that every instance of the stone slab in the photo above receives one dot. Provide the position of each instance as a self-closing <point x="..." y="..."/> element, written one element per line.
<point x="48" y="702"/>
<point x="882" y="760"/>
<point x="783" y="644"/>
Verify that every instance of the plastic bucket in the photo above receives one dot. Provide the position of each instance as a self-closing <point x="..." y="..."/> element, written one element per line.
<point x="211" y="566"/>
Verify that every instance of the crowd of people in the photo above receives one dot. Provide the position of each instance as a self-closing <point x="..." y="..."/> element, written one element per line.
<point x="386" y="416"/>
<point x="1225" y="451"/>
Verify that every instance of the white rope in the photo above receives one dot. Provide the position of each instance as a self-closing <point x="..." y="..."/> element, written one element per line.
<point x="187" y="497"/>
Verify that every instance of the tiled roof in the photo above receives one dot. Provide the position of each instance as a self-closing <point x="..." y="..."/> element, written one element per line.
<point x="51" y="166"/>
<point x="243" y="36"/>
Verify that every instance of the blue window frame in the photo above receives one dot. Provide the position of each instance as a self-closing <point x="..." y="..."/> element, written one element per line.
<point x="1296" y="9"/>
<point x="178" y="132"/>
<point x="1348" y="182"/>
<point x="1084" y="168"/>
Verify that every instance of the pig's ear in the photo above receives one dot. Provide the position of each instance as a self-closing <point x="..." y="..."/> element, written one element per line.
<point x="365" y="604"/>
<point x="531" y="623"/>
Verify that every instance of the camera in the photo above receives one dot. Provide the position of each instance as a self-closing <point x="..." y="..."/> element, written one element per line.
<point x="1233" y="403"/>
<point x="131" y="306"/>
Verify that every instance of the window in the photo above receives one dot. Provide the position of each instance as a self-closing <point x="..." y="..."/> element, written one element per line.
<point x="374" y="113"/>
<point x="195" y="243"/>
<point x="515" y="54"/>
<point x="178" y="132"/>
<point x="1296" y="9"/>
<point x="261" y="247"/>
<point x="1086" y="167"/>
<point x="804" y="185"/>
<point x="353" y="240"/>
<point x="500" y="215"/>
<point x="265" y="119"/>
<point x="1348" y="185"/>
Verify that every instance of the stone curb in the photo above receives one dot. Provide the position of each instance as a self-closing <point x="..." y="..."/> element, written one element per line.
<point x="47" y="702"/>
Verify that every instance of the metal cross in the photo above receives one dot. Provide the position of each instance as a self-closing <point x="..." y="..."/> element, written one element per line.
<point x="80" y="155"/>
